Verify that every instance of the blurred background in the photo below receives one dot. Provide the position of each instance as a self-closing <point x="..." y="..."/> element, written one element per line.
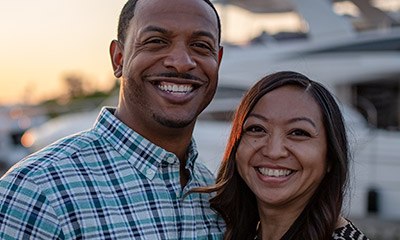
<point x="55" y="75"/>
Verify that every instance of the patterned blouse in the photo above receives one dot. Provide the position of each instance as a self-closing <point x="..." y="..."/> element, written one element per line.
<point x="348" y="232"/>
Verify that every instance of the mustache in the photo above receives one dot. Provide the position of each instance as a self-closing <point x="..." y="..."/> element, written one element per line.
<point x="175" y="75"/>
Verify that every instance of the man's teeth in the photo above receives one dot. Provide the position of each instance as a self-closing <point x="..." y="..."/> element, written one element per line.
<point x="175" y="88"/>
<point x="274" y="172"/>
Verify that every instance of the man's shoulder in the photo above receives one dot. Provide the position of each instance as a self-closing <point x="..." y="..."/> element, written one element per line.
<point x="56" y="154"/>
<point x="204" y="173"/>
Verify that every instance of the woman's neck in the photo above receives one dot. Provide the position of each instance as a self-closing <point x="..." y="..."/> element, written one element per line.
<point x="275" y="222"/>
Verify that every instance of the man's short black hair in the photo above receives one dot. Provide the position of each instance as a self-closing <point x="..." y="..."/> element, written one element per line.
<point x="128" y="11"/>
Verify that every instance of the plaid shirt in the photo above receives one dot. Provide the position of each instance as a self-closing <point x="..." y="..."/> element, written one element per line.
<point x="106" y="183"/>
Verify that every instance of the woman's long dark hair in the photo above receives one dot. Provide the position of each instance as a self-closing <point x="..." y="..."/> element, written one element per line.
<point x="237" y="203"/>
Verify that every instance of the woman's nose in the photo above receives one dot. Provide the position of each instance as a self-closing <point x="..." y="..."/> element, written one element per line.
<point x="275" y="148"/>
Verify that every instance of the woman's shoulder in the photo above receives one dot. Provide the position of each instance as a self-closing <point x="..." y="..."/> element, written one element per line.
<point x="348" y="232"/>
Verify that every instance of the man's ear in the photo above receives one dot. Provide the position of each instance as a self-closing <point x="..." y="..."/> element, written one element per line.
<point x="220" y="53"/>
<point x="116" y="54"/>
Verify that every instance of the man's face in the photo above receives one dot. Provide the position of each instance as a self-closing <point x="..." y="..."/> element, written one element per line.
<point x="171" y="58"/>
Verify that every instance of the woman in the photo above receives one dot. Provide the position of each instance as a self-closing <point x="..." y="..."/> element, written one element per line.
<point x="285" y="169"/>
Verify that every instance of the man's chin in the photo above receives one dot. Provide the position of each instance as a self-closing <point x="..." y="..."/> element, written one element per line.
<point x="174" y="123"/>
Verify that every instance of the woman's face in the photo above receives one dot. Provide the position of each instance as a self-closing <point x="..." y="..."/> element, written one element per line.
<point x="282" y="155"/>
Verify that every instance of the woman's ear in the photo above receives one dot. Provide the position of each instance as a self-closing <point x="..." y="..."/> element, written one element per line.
<point x="328" y="167"/>
<point x="116" y="54"/>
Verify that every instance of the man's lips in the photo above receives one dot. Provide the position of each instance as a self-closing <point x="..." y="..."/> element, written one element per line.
<point x="175" y="83"/>
<point x="172" y="75"/>
<point x="175" y="88"/>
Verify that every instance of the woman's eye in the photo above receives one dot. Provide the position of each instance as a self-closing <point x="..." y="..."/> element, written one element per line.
<point x="254" y="129"/>
<point x="300" y="133"/>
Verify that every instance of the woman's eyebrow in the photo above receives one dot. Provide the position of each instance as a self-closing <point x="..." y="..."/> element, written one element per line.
<point x="256" y="115"/>
<point x="298" y="119"/>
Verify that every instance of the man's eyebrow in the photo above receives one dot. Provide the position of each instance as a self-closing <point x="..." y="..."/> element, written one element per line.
<point x="204" y="34"/>
<point x="152" y="28"/>
<point x="200" y="33"/>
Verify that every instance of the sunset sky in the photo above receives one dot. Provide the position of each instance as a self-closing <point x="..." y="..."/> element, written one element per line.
<point x="42" y="41"/>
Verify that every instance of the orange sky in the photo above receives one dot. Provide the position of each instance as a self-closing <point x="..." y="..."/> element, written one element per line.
<point x="43" y="40"/>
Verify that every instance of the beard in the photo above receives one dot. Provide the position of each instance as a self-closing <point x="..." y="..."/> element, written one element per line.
<point x="136" y="93"/>
<point x="176" y="123"/>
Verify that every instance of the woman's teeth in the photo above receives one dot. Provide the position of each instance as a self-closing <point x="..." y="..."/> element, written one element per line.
<point x="176" y="88"/>
<point x="274" y="172"/>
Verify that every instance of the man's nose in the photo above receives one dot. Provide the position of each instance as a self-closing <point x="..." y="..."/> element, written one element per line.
<point x="180" y="59"/>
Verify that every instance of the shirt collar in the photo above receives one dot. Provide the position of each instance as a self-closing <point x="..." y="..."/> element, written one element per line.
<point x="140" y="152"/>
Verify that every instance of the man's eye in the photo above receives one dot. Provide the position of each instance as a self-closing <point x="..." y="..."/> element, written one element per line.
<point x="155" y="41"/>
<point x="203" y="48"/>
<point x="201" y="45"/>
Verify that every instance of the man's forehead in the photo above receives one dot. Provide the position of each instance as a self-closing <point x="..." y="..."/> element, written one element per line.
<point x="144" y="7"/>
<point x="195" y="12"/>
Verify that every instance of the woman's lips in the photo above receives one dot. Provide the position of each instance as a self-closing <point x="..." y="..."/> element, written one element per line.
<point x="272" y="172"/>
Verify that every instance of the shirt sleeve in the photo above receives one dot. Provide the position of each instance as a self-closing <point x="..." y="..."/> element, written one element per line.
<point x="25" y="212"/>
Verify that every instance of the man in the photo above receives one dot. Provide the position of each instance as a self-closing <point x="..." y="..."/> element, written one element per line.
<point x="128" y="177"/>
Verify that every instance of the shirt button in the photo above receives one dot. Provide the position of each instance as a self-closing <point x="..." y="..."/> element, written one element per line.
<point x="150" y="173"/>
<point x="171" y="160"/>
